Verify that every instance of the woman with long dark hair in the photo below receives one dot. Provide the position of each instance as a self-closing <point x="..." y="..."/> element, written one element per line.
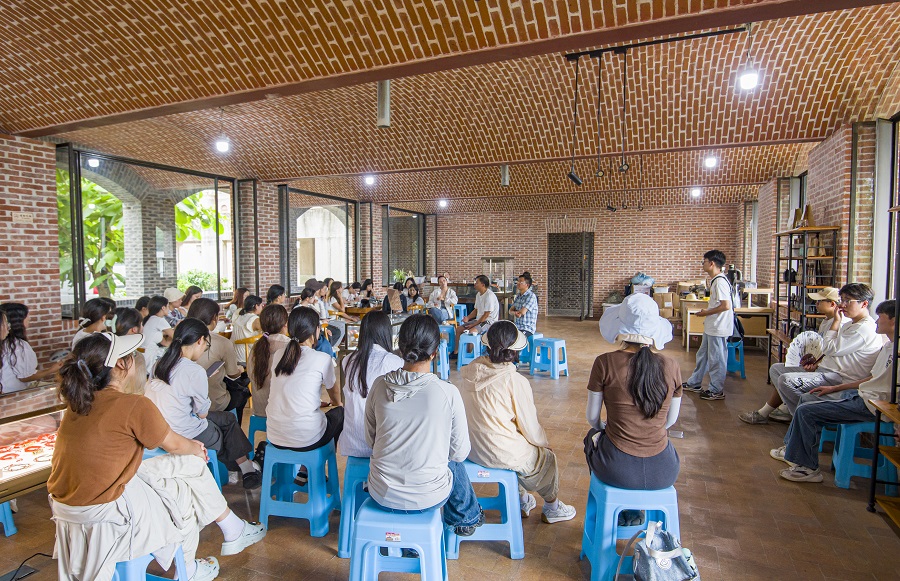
<point x="413" y="297"/>
<point x="415" y="422"/>
<point x="642" y="394"/>
<point x="276" y="295"/>
<point x="372" y="359"/>
<point x="274" y="322"/>
<point x="294" y="417"/>
<point x="366" y="293"/>
<point x="95" y="317"/>
<point x="18" y="362"/>
<point x="309" y="298"/>
<point x="226" y="390"/>
<point x="180" y="391"/>
<point x="157" y="330"/>
<point x="336" y="302"/>
<point x="141" y="306"/>
<point x="237" y="302"/>
<point x="105" y="515"/>
<point x="191" y="294"/>
<point x="246" y="324"/>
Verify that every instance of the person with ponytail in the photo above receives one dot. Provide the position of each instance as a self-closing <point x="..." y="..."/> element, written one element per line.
<point x="503" y="422"/>
<point x="95" y="318"/>
<point x="308" y="298"/>
<point x="18" y="361"/>
<point x="141" y="305"/>
<point x="294" y="417"/>
<point x="274" y="322"/>
<point x="128" y="321"/>
<point x="372" y="359"/>
<point x="246" y="324"/>
<point x="415" y="423"/>
<point x="179" y="389"/>
<point x="157" y="330"/>
<point x="105" y="515"/>
<point x="642" y="394"/>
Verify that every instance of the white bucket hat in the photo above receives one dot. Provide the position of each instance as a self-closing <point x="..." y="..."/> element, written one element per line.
<point x="121" y="345"/>
<point x="636" y="320"/>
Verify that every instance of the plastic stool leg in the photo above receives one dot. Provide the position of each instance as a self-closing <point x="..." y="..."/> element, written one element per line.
<point x="6" y="517"/>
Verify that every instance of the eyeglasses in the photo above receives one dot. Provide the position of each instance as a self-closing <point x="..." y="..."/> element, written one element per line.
<point x="848" y="301"/>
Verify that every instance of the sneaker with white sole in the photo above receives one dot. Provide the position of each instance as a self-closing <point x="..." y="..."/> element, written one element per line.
<point x="801" y="474"/>
<point x="253" y="533"/>
<point x="563" y="512"/>
<point x="778" y="454"/>
<point x="527" y="506"/>
<point x="711" y="395"/>
<point x="694" y="388"/>
<point x="753" y="418"/>
<point x="782" y="417"/>
<point x="234" y="477"/>
<point x="207" y="569"/>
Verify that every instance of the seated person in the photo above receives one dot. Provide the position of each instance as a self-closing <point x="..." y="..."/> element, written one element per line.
<point x="104" y="514"/>
<point x="408" y="283"/>
<point x="441" y="301"/>
<point x="276" y="295"/>
<point x="176" y="313"/>
<point x="309" y="299"/>
<point x="95" y="318"/>
<point x="485" y="313"/>
<point x="129" y="321"/>
<point x="801" y="449"/>
<point x="274" y="321"/>
<point x="827" y="300"/>
<point x="245" y="324"/>
<point x="157" y="330"/>
<point x="373" y="358"/>
<point x="407" y="408"/>
<point x="642" y="393"/>
<point x="386" y="305"/>
<point x="336" y="327"/>
<point x="366" y="293"/>
<point x="503" y="422"/>
<point x="525" y="306"/>
<point x="18" y="361"/>
<point x="179" y="389"/>
<point x="413" y="298"/>
<point x="237" y="303"/>
<point x="337" y="306"/>
<point x="351" y="293"/>
<point x="225" y="394"/>
<point x="850" y="350"/>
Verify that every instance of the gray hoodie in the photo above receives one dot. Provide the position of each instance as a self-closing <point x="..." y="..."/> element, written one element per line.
<point x="416" y="424"/>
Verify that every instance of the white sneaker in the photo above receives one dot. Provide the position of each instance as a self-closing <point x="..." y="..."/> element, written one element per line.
<point x="252" y="533"/>
<point x="778" y="454"/>
<point x="234" y="477"/>
<point x="801" y="474"/>
<point x="207" y="569"/>
<point x="563" y="512"/>
<point x="781" y="416"/>
<point x="527" y="506"/>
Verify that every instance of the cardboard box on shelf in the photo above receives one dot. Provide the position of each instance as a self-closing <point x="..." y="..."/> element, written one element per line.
<point x="665" y="300"/>
<point x="667" y="313"/>
<point x="641" y="288"/>
<point x="660" y="288"/>
<point x="676" y="302"/>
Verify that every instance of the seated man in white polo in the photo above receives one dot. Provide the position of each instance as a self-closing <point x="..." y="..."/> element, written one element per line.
<point x="486" y="312"/>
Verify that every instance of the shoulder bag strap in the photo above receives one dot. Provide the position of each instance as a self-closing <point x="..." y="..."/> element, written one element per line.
<point x="628" y="546"/>
<point x="730" y="288"/>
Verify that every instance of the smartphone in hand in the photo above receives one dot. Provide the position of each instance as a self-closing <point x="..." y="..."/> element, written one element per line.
<point x="214" y="368"/>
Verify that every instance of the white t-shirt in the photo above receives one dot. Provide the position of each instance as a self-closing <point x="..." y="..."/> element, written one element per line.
<point x="25" y="366"/>
<point x="720" y="324"/>
<point x="153" y="334"/>
<point x="879" y="387"/>
<point x="852" y="350"/>
<point x="353" y="438"/>
<point x="487" y="302"/>
<point x="183" y="400"/>
<point x="242" y="328"/>
<point x="231" y="311"/>
<point x="434" y="300"/>
<point x="825" y="325"/>
<point x="293" y="416"/>
<point x="81" y="334"/>
<point x="323" y="307"/>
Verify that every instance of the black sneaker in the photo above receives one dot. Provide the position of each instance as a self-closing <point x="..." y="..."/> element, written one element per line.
<point x="695" y="389"/>
<point x="468" y="531"/>
<point x="252" y="480"/>
<point x="706" y="394"/>
<point x="302" y="477"/>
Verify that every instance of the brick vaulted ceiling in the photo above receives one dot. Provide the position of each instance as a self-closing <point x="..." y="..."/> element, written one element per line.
<point x="475" y="84"/>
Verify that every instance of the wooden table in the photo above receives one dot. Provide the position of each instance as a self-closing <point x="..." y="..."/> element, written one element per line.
<point x="693" y="326"/>
<point x="751" y="292"/>
<point x="360" y="311"/>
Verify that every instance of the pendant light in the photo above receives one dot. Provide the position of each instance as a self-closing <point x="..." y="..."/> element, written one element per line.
<point x="600" y="173"/>
<point x="748" y="78"/>
<point x="624" y="167"/>
<point x="383" y="97"/>
<point x="572" y="175"/>
<point x="504" y="175"/>
<point x="222" y="143"/>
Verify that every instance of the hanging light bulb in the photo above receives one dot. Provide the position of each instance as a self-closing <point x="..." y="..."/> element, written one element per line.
<point x="695" y="192"/>
<point x="442" y="203"/>
<point x="94" y="162"/>
<point x="711" y="161"/>
<point x="223" y="145"/>
<point x="748" y="78"/>
<point x="369" y="180"/>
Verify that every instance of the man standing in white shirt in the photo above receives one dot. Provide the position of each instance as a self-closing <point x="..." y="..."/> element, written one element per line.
<point x="441" y="301"/>
<point x="801" y="449"/>
<point x="486" y="312"/>
<point x="718" y="325"/>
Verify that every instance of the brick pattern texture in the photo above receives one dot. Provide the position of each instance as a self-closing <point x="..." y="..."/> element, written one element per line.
<point x="564" y="285"/>
<point x="863" y="216"/>
<point x="30" y="257"/>
<point x="765" y="257"/>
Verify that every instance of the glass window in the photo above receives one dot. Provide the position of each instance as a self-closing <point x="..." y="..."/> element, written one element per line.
<point x="319" y="239"/>
<point x="404" y="242"/>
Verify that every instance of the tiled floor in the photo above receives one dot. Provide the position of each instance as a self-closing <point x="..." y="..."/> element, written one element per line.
<point x="741" y="520"/>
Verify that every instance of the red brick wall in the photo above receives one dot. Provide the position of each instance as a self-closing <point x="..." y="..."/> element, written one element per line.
<point x="268" y="243"/>
<point x="665" y="242"/>
<point x="765" y="244"/>
<point x="30" y="257"/>
<point x="863" y="212"/>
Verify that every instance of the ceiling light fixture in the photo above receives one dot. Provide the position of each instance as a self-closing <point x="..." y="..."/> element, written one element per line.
<point x="625" y="202"/>
<point x="572" y="175"/>
<point x="695" y="192"/>
<point x="600" y="173"/>
<point x="748" y="78"/>
<point x="222" y="143"/>
<point x="442" y="203"/>
<point x="384" y="104"/>
<point x="610" y="207"/>
<point x="711" y="161"/>
<point x="93" y="162"/>
<point x="624" y="52"/>
<point x="369" y="180"/>
<point x="504" y="175"/>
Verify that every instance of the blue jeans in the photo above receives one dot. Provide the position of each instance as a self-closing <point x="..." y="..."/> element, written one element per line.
<point x="802" y="439"/>
<point x="439" y="315"/>
<point x="712" y="358"/>
<point x="461" y="508"/>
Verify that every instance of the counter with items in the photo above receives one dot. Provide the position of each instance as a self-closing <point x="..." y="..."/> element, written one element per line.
<point x="29" y="420"/>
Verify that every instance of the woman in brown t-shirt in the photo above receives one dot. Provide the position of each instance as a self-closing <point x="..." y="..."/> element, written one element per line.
<point x="642" y="393"/>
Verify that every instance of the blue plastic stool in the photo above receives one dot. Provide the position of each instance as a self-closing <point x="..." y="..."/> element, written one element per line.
<point x="324" y="494"/>
<point x="506" y="501"/>
<point x="829" y="434"/>
<point x="6" y="517"/>
<point x="216" y="467"/>
<point x="355" y="475"/>
<point x="550" y="355"/>
<point x="448" y="332"/>
<point x="465" y="356"/>
<point x="377" y="528"/>
<point x="736" y="358"/>
<point x="525" y="354"/>
<point x="257" y="424"/>
<point x="136" y="569"/>
<point x="846" y="448"/>
<point x="460" y="311"/>
<point x="601" y="517"/>
<point x="441" y="363"/>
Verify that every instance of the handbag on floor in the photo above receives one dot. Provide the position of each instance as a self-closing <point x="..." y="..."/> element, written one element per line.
<point x="659" y="557"/>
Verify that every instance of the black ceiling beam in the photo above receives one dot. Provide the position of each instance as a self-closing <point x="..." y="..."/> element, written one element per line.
<point x="623" y="48"/>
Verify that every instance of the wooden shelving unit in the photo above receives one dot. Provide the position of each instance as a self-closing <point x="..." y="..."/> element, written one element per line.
<point x="886" y="410"/>
<point x="815" y="267"/>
